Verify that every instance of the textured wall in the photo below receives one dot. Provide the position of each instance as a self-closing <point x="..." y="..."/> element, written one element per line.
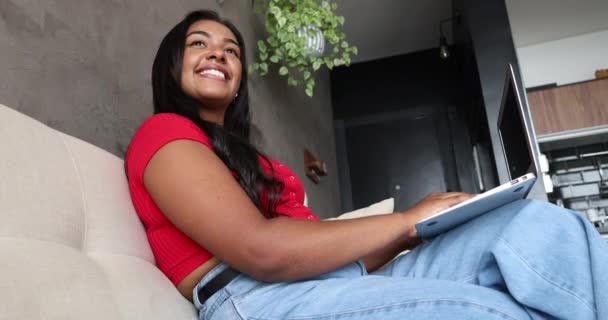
<point x="83" y="67"/>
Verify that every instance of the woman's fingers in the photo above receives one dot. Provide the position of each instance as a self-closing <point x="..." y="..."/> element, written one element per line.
<point x="456" y="199"/>
<point x="437" y="202"/>
<point x="445" y="200"/>
<point x="456" y="194"/>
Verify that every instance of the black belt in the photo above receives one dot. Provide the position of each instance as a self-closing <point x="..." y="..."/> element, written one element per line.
<point x="217" y="283"/>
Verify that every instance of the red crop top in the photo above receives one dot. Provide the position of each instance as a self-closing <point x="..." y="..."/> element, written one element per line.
<point x="176" y="254"/>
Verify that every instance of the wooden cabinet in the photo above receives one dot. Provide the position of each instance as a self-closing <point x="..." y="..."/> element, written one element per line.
<point x="569" y="107"/>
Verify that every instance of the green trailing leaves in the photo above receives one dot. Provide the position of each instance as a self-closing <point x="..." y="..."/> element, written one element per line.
<point x="262" y="46"/>
<point x="263" y="68"/>
<point x="329" y="63"/>
<point x="281" y="21"/>
<point x="283" y="71"/>
<point x="263" y="56"/>
<point x="287" y="23"/>
<point x="341" y="20"/>
<point x="292" y="82"/>
<point x="253" y="67"/>
<point x="317" y="64"/>
<point x="310" y="86"/>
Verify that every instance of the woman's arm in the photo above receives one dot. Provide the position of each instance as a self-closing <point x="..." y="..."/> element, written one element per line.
<point x="199" y="195"/>
<point x="384" y="255"/>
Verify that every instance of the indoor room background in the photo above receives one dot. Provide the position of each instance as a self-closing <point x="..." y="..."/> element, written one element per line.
<point x="399" y="122"/>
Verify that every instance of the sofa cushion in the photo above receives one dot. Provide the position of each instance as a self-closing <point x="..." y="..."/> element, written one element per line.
<point x="382" y="207"/>
<point x="71" y="244"/>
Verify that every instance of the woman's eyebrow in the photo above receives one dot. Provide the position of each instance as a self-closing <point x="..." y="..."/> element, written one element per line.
<point x="206" y="34"/>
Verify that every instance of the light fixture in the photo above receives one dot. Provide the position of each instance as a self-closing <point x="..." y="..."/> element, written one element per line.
<point x="444" y="51"/>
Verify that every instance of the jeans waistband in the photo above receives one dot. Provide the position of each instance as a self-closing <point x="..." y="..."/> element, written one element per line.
<point x="212" y="275"/>
<point x="217" y="283"/>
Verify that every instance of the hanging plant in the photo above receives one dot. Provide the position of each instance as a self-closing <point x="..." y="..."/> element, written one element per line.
<point x="298" y="31"/>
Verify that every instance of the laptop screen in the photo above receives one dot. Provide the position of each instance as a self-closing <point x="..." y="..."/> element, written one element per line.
<point x="513" y="132"/>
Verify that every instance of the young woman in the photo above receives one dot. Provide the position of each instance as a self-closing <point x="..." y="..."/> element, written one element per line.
<point x="228" y="226"/>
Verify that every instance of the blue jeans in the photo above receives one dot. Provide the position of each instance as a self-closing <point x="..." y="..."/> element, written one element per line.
<point x="525" y="260"/>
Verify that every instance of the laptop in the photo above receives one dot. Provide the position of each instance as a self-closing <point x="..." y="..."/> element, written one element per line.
<point x="521" y="160"/>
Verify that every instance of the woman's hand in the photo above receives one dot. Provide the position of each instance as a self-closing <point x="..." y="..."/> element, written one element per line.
<point x="432" y="204"/>
<point x="435" y="203"/>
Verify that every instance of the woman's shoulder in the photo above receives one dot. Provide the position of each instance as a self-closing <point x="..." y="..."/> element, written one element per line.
<point x="162" y="121"/>
<point x="157" y="131"/>
<point x="168" y="125"/>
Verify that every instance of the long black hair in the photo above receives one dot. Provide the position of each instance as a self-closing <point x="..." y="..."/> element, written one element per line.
<point x="230" y="141"/>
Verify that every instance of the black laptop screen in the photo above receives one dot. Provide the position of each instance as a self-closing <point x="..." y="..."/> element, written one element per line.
<point x="513" y="133"/>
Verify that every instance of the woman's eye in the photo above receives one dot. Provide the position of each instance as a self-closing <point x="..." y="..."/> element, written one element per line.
<point x="232" y="51"/>
<point x="197" y="43"/>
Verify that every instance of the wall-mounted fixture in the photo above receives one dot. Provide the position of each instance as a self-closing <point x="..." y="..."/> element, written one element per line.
<point x="444" y="51"/>
<point x="313" y="168"/>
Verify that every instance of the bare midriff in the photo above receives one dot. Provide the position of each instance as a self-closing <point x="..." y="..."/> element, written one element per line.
<point x="186" y="286"/>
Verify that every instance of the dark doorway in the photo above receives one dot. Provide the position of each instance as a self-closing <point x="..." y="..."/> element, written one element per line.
<point x="403" y="130"/>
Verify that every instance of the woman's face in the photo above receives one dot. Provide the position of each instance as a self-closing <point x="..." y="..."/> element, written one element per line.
<point x="211" y="69"/>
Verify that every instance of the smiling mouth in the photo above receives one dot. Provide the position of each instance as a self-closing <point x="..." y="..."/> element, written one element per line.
<point x="213" y="74"/>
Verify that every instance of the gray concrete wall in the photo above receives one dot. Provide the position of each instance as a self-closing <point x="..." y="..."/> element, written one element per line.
<point x="83" y="67"/>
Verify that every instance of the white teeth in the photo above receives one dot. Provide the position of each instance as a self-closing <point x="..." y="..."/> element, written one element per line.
<point x="213" y="72"/>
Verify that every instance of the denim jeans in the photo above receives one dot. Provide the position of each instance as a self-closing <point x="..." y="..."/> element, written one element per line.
<point x="525" y="260"/>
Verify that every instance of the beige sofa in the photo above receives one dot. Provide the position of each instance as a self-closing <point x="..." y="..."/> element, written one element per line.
<point x="71" y="244"/>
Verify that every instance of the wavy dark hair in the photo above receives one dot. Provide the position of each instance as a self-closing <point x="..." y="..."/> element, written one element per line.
<point x="230" y="141"/>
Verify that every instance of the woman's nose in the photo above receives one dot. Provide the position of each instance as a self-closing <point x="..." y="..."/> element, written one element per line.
<point x="216" y="54"/>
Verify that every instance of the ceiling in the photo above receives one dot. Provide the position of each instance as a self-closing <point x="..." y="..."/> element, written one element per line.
<point x="383" y="28"/>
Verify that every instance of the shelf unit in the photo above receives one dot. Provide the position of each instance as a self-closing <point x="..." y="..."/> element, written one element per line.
<point x="579" y="175"/>
<point x="571" y="122"/>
